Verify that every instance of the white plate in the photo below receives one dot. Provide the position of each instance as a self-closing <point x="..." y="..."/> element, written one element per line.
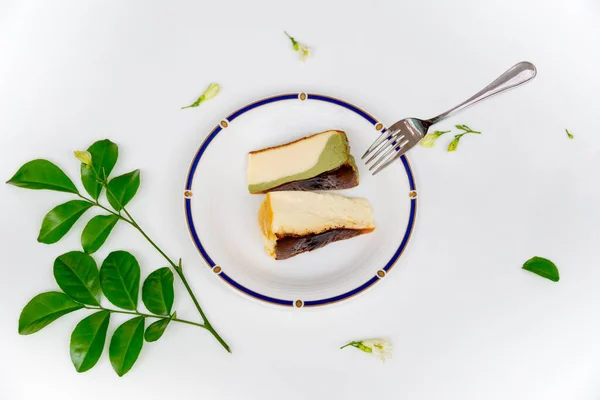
<point x="222" y="215"/>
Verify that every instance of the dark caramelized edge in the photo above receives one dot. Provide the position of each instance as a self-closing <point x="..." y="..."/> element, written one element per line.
<point x="289" y="246"/>
<point x="343" y="177"/>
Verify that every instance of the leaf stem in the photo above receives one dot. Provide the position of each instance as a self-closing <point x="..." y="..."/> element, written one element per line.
<point x="466" y="129"/>
<point x="96" y="203"/>
<point x="177" y="267"/>
<point x="183" y="321"/>
<point x="291" y="38"/>
<point x="179" y="270"/>
<point x="136" y="226"/>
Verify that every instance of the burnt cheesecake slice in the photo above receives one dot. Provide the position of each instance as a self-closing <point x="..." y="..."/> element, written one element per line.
<point x="317" y="162"/>
<point x="293" y="222"/>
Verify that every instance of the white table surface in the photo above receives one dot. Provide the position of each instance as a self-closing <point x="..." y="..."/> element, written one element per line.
<point x="466" y="322"/>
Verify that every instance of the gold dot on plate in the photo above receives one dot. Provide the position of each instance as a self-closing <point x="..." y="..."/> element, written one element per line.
<point x="299" y="303"/>
<point x="381" y="273"/>
<point x="217" y="269"/>
<point x="302" y="96"/>
<point x="187" y="193"/>
<point x="379" y="126"/>
<point x="224" y="124"/>
<point x="412" y="194"/>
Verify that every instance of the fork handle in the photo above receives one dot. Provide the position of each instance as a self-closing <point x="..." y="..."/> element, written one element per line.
<point x="517" y="75"/>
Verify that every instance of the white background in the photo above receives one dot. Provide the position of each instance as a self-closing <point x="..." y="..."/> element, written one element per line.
<point x="465" y="320"/>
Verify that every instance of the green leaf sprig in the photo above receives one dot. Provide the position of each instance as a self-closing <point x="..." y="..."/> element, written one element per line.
<point x="119" y="276"/>
<point x="542" y="267"/>
<point x="466" y="130"/>
<point x="76" y="273"/>
<point x="430" y="139"/>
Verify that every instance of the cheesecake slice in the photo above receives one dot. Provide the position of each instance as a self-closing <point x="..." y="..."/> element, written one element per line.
<point x="293" y="222"/>
<point x="317" y="162"/>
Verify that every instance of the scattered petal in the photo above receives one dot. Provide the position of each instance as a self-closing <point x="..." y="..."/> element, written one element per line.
<point x="380" y="348"/>
<point x="429" y="139"/>
<point x="303" y="50"/>
<point x="211" y="91"/>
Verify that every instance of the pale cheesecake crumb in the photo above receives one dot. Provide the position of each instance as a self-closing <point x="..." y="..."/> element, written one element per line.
<point x="293" y="214"/>
<point x="318" y="162"/>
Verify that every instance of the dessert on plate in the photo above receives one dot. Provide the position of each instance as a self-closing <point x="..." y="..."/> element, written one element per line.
<point x="318" y="162"/>
<point x="294" y="222"/>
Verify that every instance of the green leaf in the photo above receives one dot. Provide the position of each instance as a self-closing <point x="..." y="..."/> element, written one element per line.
<point x="77" y="275"/>
<point x="542" y="267"/>
<point x="96" y="231"/>
<point x="42" y="174"/>
<point x="122" y="189"/>
<point x="157" y="291"/>
<point x="156" y="329"/>
<point x="120" y="279"/>
<point x="126" y="344"/>
<point x="60" y="219"/>
<point x="44" y="309"/>
<point x="87" y="340"/>
<point x="104" y="157"/>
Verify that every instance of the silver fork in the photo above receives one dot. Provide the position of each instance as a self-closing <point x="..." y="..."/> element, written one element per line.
<point x="406" y="133"/>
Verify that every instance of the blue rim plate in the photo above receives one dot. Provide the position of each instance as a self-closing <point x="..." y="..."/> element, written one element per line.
<point x="216" y="225"/>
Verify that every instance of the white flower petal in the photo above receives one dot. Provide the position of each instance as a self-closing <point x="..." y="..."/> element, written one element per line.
<point x="380" y="348"/>
<point x="304" y="51"/>
<point x="211" y="91"/>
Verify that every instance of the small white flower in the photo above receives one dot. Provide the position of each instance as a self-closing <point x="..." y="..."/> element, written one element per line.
<point x="302" y="49"/>
<point x="380" y="347"/>
<point x="377" y="347"/>
<point x="84" y="156"/>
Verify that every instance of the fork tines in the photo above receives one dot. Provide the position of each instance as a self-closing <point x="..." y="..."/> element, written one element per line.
<point x="390" y="143"/>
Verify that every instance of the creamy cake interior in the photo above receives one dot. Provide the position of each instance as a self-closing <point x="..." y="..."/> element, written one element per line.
<point x="318" y="162"/>
<point x="293" y="222"/>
